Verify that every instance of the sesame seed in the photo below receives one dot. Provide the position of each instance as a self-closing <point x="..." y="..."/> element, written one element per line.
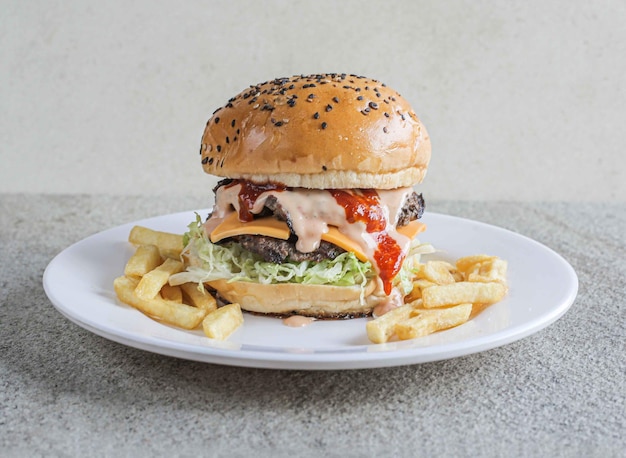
<point x="227" y="140"/>
<point x="316" y="115"/>
<point x="324" y="125"/>
<point x="217" y="120"/>
<point x="232" y="124"/>
<point x="360" y="97"/>
<point x="373" y="105"/>
<point x="336" y="99"/>
<point x="205" y="160"/>
<point x="211" y="160"/>
<point x="324" y="168"/>
<point x="385" y="130"/>
<point x="386" y="114"/>
<point x="329" y="107"/>
<point x="219" y="148"/>
<point x="278" y="123"/>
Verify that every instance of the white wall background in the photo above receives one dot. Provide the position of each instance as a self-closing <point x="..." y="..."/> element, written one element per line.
<point x="523" y="100"/>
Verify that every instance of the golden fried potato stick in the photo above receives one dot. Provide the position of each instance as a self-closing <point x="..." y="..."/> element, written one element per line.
<point x="181" y="315"/>
<point x="483" y="268"/>
<point x="172" y="293"/>
<point x="222" y="322"/>
<point x="151" y="283"/>
<point x="145" y="259"/>
<point x="381" y="329"/>
<point x="199" y="298"/>
<point x="438" y="272"/>
<point x="170" y="245"/>
<point x="425" y="322"/>
<point x="462" y="292"/>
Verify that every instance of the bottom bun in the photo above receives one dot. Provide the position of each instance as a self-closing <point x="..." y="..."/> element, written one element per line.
<point x="319" y="301"/>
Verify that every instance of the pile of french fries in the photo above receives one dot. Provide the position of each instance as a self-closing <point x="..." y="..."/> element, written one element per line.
<point x="145" y="286"/>
<point x="444" y="295"/>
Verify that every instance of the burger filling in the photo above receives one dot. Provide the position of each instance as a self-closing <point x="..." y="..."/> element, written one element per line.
<point x="277" y="250"/>
<point x="335" y="237"/>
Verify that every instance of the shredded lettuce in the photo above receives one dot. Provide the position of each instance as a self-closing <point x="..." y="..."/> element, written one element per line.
<point x="230" y="261"/>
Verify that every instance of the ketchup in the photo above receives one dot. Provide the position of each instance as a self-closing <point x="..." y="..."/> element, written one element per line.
<point x="365" y="207"/>
<point x="248" y="195"/>
<point x="389" y="258"/>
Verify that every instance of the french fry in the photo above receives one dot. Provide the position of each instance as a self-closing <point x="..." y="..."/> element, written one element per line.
<point x="438" y="272"/>
<point x="152" y="282"/>
<point x="199" y="298"/>
<point x="416" y="292"/>
<point x="483" y="269"/>
<point x="467" y="262"/>
<point x="424" y="322"/>
<point x="381" y="329"/>
<point x="181" y="315"/>
<point x="145" y="286"/>
<point x="170" y="245"/>
<point x="458" y="276"/>
<point x="462" y="292"/>
<point x="172" y="293"/>
<point x="145" y="259"/>
<point x="222" y="322"/>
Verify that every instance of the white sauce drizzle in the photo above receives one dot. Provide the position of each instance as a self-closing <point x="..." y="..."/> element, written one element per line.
<point x="298" y="321"/>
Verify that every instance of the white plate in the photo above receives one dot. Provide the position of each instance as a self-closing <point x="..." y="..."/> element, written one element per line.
<point x="79" y="282"/>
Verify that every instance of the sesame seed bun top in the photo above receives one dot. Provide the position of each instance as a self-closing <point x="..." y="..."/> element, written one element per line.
<point x="318" y="131"/>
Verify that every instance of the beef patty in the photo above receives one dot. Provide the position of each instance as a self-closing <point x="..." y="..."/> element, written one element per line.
<point x="278" y="251"/>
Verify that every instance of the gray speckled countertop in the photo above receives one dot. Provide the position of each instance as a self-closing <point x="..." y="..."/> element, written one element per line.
<point x="68" y="392"/>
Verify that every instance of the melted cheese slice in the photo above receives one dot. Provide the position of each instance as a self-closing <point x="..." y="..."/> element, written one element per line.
<point x="231" y="226"/>
<point x="271" y="227"/>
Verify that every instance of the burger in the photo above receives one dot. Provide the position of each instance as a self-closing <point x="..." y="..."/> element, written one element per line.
<point x="315" y="213"/>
